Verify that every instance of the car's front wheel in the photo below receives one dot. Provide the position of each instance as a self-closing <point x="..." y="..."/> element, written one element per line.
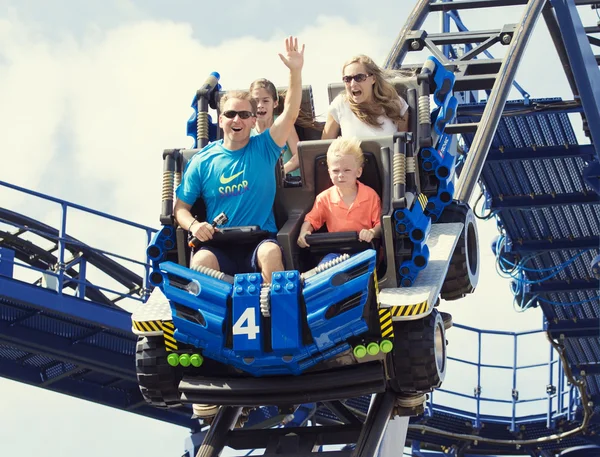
<point x="419" y="354"/>
<point x="158" y="381"/>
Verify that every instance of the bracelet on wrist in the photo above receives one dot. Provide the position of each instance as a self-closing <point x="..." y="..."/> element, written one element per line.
<point x="190" y="227"/>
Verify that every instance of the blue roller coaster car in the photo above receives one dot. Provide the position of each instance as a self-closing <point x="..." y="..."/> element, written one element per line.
<point x="363" y="323"/>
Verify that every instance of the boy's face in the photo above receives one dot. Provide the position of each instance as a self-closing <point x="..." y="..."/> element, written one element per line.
<point x="344" y="170"/>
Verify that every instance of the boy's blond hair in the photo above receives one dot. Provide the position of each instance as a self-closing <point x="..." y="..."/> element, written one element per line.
<point x="346" y="146"/>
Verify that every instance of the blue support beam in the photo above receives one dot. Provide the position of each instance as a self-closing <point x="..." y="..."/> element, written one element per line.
<point x="562" y="244"/>
<point x="580" y="328"/>
<point x="589" y="369"/>
<point x="583" y="63"/>
<point x="586" y="152"/>
<point x="73" y="308"/>
<point x="127" y="398"/>
<point x="572" y="285"/>
<point x="543" y="200"/>
<point x="59" y="348"/>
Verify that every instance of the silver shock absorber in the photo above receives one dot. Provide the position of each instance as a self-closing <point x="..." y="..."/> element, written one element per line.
<point x="168" y="185"/>
<point x="265" y="300"/>
<point x="399" y="172"/>
<point x="411" y="164"/>
<point x="209" y="272"/>
<point x="202" y="128"/>
<point x="320" y="268"/>
<point x="424" y="109"/>
<point x="177" y="180"/>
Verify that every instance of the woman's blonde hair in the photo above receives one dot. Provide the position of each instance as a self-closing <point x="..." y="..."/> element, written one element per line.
<point x="346" y="146"/>
<point x="385" y="98"/>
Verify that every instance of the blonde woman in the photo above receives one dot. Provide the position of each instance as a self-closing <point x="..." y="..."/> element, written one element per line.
<point x="370" y="106"/>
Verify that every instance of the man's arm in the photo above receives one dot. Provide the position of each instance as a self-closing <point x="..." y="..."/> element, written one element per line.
<point x="284" y="123"/>
<point x="201" y="230"/>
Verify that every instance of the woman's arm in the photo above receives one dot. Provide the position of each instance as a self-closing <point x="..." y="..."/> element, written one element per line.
<point x="403" y="124"/>
<point x="331" y="129"/>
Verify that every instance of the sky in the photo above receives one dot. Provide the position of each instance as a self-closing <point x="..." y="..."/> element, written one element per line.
<point x="92" y="92"/>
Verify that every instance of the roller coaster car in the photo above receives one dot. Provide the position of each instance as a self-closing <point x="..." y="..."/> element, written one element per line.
<point x="361" y="324"/>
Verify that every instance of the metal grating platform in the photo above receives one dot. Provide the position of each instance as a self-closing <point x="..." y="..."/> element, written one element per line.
<point x="533" y="178"/>
<point x="89" y="360"/>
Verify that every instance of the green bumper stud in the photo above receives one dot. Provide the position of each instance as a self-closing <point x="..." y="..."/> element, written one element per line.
<point x="173" y="359"/>
<point x="196" y="360"/>
<point x="373" y="348"/>
<point x="184" y="360"/>
<point x="360" y="351"/>
<point x="386" y="346"/>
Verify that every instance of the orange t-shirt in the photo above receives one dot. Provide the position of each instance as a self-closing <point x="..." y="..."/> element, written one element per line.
<point x="330" y="209"/>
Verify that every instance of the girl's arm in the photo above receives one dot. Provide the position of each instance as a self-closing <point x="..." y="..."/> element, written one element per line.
<point x="294" y="163"/>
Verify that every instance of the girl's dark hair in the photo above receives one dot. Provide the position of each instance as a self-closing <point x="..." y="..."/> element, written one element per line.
<point x="305" y="120"/>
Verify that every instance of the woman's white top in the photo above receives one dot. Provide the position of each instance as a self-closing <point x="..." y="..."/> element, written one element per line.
<point x="353" y="126"/>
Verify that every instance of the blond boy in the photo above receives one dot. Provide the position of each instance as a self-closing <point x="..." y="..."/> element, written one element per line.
<point x="348" y="205"/>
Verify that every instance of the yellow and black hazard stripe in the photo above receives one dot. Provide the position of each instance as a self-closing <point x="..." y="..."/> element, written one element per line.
<point x="148" y="326"/>
<point x="385" y="322"/>
<point x="422" y="200"/>
<point x="168" y="331"/>
<point x="408" y="310"/>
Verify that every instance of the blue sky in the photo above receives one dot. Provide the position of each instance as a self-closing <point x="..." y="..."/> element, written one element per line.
<point x="92" y="92"/>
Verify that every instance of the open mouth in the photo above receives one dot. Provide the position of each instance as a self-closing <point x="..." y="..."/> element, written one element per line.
<point x="261" y="113"/>
<point x="356" y="93"/>
<point x="236" y="129"/>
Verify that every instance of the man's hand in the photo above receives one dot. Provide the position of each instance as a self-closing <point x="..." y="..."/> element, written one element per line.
<point x="302" y="239"/>
<point x="293" y="58"/>
<point x="203" y="231"/>
<point x="366" y="235"/>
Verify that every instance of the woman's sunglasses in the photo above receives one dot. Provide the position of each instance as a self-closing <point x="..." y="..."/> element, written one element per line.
<point x="242" y="114"/>
<point x="360" y="77"/>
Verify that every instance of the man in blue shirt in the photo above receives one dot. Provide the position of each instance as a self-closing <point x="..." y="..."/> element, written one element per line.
<point x="236" y="176"/>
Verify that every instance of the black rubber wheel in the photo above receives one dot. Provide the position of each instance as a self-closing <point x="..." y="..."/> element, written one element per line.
<point x="419" y="354"/>
<point x="158" y="381"/>
<point x="447" y="318"/>
<point x="463" y="273"/>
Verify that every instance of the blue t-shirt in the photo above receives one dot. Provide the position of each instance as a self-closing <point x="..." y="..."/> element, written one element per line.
<point x="239" y="183"/>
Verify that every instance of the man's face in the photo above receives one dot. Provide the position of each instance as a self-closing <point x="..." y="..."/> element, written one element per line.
<point x="237" y="129"/>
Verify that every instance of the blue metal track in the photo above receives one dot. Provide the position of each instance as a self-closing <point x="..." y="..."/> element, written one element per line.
<point x="72" y="346"/>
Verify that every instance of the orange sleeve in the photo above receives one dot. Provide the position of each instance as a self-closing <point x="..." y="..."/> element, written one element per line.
<point x="316" y="216"/>
<point x="375" y="210"/>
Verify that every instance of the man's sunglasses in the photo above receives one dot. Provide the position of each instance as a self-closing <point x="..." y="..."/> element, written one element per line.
<point x="360" y="77"/>
<point x="242" y="114"/>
